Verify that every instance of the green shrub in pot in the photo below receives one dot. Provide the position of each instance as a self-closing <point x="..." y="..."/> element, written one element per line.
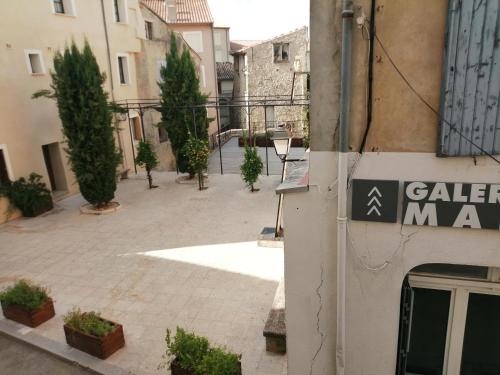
<point x="30" y="195"/>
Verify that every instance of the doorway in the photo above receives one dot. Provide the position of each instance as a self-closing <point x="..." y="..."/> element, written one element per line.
<point x="55" y="166"/>
<point x="453" y="324"/>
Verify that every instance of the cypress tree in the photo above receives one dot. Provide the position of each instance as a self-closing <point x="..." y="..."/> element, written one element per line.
<point x="180" y="93"/>
<point x="86" y="117"/>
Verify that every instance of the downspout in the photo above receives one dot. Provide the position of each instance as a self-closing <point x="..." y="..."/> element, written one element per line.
<point x="110" y="68"/>
<point x="345" y="85"/>
<point x="246" y="73"/>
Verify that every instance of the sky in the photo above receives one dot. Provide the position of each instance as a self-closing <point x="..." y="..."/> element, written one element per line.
<point x="259" y="19"/>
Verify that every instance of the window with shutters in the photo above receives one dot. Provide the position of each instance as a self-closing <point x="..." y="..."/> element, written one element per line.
<point x="470" y="121"/>
<point x="123" y="72"/>
<point x="66" y="7"/>
<point x="120" y="11"/>
<point x="149" y="29"/>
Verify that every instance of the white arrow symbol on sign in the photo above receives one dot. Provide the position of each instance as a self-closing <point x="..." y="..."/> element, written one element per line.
<point x="374" y="199"/>
<point x="375" y="191"/>
<point x="374" y="209"/>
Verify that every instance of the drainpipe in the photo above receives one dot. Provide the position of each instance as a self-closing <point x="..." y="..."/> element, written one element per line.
<point x="110" y="67"/>
<point x="345" y="83"/>
<point x="246" y="73"/>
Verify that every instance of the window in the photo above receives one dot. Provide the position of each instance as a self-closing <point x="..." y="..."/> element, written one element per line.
<point x="66" y="7"/>
<point x="136" y="128"/>
<point x="149" y="30"/>
<point x="281" y="52"/>
<point x="448" y="327"/>
<point x="59" y="6"/>
<point x="469" y="102"/>
<point x="4" y="173"/>
<point x="34" y="62"/>
<point x="123" y="69"/>
<point x="194" y="39"/>
<point x="120" y="10"/>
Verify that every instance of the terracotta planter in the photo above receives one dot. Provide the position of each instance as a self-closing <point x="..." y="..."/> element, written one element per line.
<point x="175" y="369"/>
<point x="30" y="318"/>
<point x="100" y="347"/>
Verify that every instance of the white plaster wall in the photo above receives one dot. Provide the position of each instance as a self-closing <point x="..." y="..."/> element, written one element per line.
<point x="310" y="264"/>
<point x="379" y="255"/>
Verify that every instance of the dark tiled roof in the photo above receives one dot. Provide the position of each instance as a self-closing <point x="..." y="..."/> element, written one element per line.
<point x="188" y="11"/>
<point x="225" y="71"/>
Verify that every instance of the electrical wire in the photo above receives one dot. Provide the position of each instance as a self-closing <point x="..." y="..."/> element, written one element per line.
<point x="430" y="107"/>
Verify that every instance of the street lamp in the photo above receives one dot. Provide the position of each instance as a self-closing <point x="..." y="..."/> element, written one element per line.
<point x="281" y="146"/>
<point x="282" y="143"/>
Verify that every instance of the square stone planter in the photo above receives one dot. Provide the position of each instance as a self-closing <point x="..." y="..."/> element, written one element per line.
<point x="29" y="318"/>
<point x="100" y="347"/>
<point x="175" y="369"/>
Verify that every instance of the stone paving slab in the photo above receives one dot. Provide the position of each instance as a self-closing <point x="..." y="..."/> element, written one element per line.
<point x="17" y="357"/>
<point x="173" y="256"/>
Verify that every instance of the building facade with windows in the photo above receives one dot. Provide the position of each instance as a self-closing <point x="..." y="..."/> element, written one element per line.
<point x="149" y="62"/>
<point x="392" y="241"/>
<point x="193" y="20"/>
<point x="31" y="139"/>
<point x="225" y="74"/>
<point x="272" y="68"/>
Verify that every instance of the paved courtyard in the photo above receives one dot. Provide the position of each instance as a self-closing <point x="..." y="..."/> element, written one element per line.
<point x="232" y="157"/>
<point x="173" y="256"/>
<point x="17" y="358"/>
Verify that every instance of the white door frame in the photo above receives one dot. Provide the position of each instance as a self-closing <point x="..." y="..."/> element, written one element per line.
<point x="460" y="290"/>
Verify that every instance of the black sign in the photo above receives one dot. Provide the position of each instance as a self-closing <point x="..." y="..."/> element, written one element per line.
<point x="375" y="200"/>
<point x="452" y="205"/>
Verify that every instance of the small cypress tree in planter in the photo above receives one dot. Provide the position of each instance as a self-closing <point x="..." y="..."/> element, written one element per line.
<point x="180" y="89"/>
<point x="146" y="158"/>
<point x="86" y="117"/>
<point x="252" y="167"/>
<point x="197" y="153"/>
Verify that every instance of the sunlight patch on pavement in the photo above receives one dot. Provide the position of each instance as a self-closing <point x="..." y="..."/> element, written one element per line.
<point x="245" y="258"/>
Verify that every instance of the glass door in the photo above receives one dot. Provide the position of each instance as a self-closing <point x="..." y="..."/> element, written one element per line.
<point x="481" y="348"/>
<point x="428" y="334"/>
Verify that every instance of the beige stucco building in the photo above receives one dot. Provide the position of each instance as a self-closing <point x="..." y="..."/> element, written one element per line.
<point x="149" y="62"/>
<point x="355" y="301"/>
<point x="193" y="20"/>
<point x="30" y="34"/>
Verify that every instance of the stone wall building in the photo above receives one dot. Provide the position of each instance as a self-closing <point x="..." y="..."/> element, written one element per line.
<point x="273" y="68"/>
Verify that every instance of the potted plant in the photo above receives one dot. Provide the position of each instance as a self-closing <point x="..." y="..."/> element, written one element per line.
<point x="27" y="303"/>
<point x="185" y="351"/>
<point x="197" y="153"/>
<point x="189" y="354"/>
<point x="90" y="333"/>
<point x="146" y="158"/>
<point x="251" y="167"/>
<point x="219" y="362"/>
<point x="30" y="195"/>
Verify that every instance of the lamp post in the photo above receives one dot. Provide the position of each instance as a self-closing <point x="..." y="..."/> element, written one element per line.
<point x="282" y="142"/>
